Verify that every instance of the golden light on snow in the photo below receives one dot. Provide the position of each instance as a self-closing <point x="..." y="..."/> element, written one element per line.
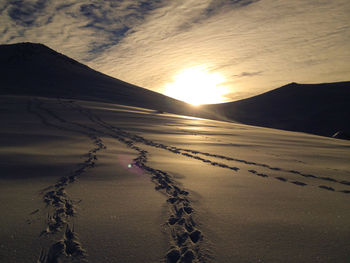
<point x="197" y="86"/>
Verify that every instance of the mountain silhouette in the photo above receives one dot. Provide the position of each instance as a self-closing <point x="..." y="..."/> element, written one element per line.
<point x="321" y="109"/>
<point x="35" y="70"/>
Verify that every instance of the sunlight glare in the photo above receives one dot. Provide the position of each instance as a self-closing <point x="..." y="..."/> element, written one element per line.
<point x="197" y="86"/>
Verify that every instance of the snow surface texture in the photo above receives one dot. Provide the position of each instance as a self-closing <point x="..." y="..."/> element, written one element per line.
<point x="96" y="182"/>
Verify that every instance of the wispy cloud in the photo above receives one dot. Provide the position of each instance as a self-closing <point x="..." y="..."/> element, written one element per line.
<point x="84" y="28"/>
<point x="26" y="13"/>
<point x="257" y="45"/>
<point x="247" y="74"/>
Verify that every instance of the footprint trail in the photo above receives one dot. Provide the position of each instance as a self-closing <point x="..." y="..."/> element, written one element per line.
<point x="187" y="238"/>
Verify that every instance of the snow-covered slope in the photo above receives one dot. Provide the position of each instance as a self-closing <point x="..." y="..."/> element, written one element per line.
<point x="109" y="183"/>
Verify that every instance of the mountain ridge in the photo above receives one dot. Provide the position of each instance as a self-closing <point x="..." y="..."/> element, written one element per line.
<point x="45" y="72"/>
<point x="320" y="109"/>
<point x="34" y="69"/>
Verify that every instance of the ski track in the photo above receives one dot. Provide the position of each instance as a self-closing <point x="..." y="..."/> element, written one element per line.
<point x="185" y="234"/>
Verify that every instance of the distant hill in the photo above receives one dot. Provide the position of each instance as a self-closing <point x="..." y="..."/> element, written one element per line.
<point x="321" y="109"/>
<point x="36" y="70"/>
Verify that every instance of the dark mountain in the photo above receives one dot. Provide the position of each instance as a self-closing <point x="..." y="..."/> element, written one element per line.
<point x="322" y="109"/>
<point x="36" y="70"/>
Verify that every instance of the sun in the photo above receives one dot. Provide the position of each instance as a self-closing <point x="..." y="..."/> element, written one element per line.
<point x="197" y="86"/>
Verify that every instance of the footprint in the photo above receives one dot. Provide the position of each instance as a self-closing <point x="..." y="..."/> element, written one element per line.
<point x="195" y="236"/>
<point x="188" y="257"/>
<point x="34" y="212"/>
<point x="298" y="183"/>
<point x="308" y="175"/>
<point x="181" y="238"/>
<point x="294" y="172"/>
<point x="188" y="209"/>
<point x="328" y="179"/>
<point x="281" y="179"/>
<point x="173" y="256"/>
<point x="326" y="187"/>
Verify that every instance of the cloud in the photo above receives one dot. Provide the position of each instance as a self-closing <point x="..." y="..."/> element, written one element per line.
<point x="247" y="74"/>
<point x="211" y="8"/>
<point x="93" y="25"/>
<point x="217" y="6"/>
<point x="26" y="13"/>
<point x="101" y="17"/>
<point x="257" y="45"/>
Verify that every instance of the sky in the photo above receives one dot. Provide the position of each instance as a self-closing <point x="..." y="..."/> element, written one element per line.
<point x="253" y="45"/>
